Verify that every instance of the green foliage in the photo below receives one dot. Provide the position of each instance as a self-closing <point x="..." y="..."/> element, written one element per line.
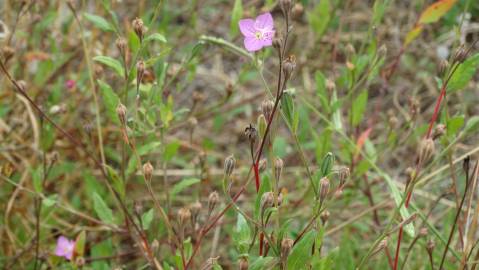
<point x="236" y="15"/>
<point x="300" y="256"/>
<point x="242" y="235"/>
<point x="464" y="73"/>
<point x="102" y="210"/>
<point x="319" y="17"/>
<point x="99" y="22"/>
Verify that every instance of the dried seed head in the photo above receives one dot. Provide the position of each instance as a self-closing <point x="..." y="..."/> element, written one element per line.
<point x="461" y="54"/>
<point x="430" y="246"/>
<point x="426" y="151"/>
<point x="243" y="263"/>
<point x="344" y="174"/>
<point x="278" y="168"/>
<point x="148" y="171"/>
<point x="213" y="200"/>
<point x="383" y="51"/>
<point x="229" y="165"/>
<point x="439" y="131"/>
<point x="121" y="45"/>
<point x="267" y="200"/>
<point x="7" y="53"/>
<point x="184" y="215"/>
<point x="324" y="216"/>
<point x="286" y="246"/>
<point x="267" y="108"/>
<point x="323" y="188"/>
<point x="288" y="66"/>
<point x="286" y="6"/>
<point x="121" y="112"/>
<point x="139" y="28"/>
<point x="252" y="134"/>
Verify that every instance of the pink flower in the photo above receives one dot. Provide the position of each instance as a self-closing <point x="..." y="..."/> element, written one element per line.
<point x="65" y="247"/>
<point x="70" y="84"/>
<point x="257" y="33"/>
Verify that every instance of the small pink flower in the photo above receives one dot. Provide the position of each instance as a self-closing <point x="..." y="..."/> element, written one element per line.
<point x="65" y="247"/>
<point x="257" y="33"/>
<point x="70" y="84"/>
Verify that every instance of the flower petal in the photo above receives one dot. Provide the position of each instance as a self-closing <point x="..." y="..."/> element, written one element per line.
<point x="246" y="27"/>
<point x="253" y="44"/>
<point x="62" y="243"/>
<point x="264" y="22"/>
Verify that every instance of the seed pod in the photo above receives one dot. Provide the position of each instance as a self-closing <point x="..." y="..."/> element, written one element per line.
<point x="195" y="208"/>
<point x="426" y="151"/>
<point x="229" y="165"/>
<point x="439" y="131"/>
<point x="430" y="246"/>
<point x="286" y="246"/>
<point x="252" y="134"/>
<point x="323" y="188"/>
<point x="343" y="175"/>
<point x="285" y="6"/>
<point x="22" y="85"/>
<point x="148" y="171"/>
<point x="138" y="207"/>
<point x="8" y="53"/>
<point x="140" y="71"/>
<point x="330" y="85"/>
<point x="423" y="232"/>
<point x="263" y="163"/>
<point x="121" y="112"/>
<point x="278" y="168"/>
<point x="461" y="54"/>
<point x="442" y="68"/>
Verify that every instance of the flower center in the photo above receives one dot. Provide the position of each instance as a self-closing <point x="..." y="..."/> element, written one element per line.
<point x="258" y="35"/>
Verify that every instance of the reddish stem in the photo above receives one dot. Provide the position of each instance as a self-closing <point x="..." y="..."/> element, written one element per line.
<point x="261" y="238"/>
<point x="256" y="175"/>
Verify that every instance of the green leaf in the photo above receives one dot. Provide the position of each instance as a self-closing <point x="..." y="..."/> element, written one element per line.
<point x="287" y="106"/>
<point x="236" y="15"/>
<point x="327" y="164"/>
<point x="170" y="150"/>
<point x="301" y="253"/>
<point x="242" y="234"/>
<point x="147" y="218"/>
<point x="264" y="186"/>
<point x="435" y="11"/>
<point x="102" y="210"/>
<point x="156" y="37"/>
<point x="112" y="63"/>
<point x="37" y="179"/>
<point x="99" y="22"/>
<point x="80" y="244"/>
<point x="183" y="184"/>
<point x="454" y="124"/>
<point x="116" y="181"/>
<point x="322" y="91"/>
<point x="319" y="18"/>
<point x="262" y="263"/>
<point x="472" y="124"/>
<point x="110" y="100"/>
<point x="464" y="73"/>
<point x="50" y="200"/>
<point x="359" y="106"/>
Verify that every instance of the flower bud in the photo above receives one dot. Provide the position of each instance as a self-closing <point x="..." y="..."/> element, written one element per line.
<point x="262" y="125"/>
<point x="213" y="200"/>
<point x="323" y="188"/>
<point x="439" y="131"/>
<point x="7" y="53"/>
<point x="243" y="263"/>
<point x="195" y="208"/>
<point x="138" y="207"/>
<point x="278" y="168"/>
<point x="184" y="214"/>
<point x="330" y="85"/>
<point x="139" y="28"/>
<point x="286" y="246"/>
<point x="155" y="245"/>
<point x="267" y="108"/>
<point x="426" y="151"/>
<point x="298" y="11"/>
<point x="229" y="165"/>
<point x="382" y="245"/>
<point x="461" y="54"/>
<point x="140" y="71"/>
<point x="443" y="65"/>
<point x="22" y="85"/>
<point x="148" y="171"/>
<point x="263" y="163"/>
<point x="324" y="216"/>
<point x="121" y="112"/>
<point x="121" y="45"/>
<point x="288" y="66"/>
<point x="430" y="246"/>
<point x="210" y="264"/>
<point x="343" y="175"/>
<point x="423" y="232"/>
<point x="267" y="200"/>
<point x="80" y="261"/>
